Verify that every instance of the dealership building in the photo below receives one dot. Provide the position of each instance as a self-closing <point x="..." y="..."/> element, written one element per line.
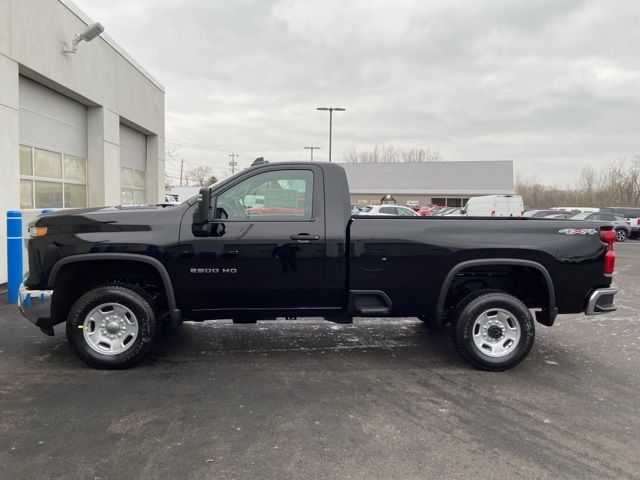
<point x="439" y="183"/>
<point x="76" y="129"/>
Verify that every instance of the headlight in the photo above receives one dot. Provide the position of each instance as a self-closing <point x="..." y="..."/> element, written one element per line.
<point x="37" y="231"/>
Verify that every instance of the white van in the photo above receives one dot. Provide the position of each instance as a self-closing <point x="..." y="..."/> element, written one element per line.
<point x="494" y="206"/>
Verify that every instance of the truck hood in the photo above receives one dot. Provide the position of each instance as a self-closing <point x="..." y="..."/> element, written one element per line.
<point x="108" y="219"/>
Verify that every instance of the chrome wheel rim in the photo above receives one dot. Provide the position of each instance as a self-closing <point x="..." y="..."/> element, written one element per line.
<point x="496" y="332"/>
<point x="110" y="328"/>
<point x="621" y="235"/>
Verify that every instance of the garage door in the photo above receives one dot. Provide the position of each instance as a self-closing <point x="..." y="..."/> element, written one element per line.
<point x="53" y="148"/>
<point x="133" y="161"/>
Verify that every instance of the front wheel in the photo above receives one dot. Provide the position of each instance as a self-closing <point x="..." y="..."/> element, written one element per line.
<point x="112" y="326"/>
<point x="621" y="235"/>
<point x="492" y="331"/>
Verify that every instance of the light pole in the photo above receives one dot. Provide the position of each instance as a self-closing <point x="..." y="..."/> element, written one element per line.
<point x="312" y="149"/>
<point x="331" y="110"/>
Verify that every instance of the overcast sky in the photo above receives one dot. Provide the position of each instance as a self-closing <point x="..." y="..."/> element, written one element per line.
<point x="552" y="84"/>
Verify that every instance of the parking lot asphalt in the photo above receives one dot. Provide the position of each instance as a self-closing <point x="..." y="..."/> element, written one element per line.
<point x="378" y="399"/>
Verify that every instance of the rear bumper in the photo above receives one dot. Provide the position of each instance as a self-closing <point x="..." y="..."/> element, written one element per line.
<point x="601" y="301"/>
<point x="35" y="305"/>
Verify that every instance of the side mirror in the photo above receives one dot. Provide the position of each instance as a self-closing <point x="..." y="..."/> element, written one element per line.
<point x="201" y="227"/>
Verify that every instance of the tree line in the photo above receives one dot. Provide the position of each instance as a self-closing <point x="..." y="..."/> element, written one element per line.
<point x="616" y="184"/>
<point x="392" y="154"/>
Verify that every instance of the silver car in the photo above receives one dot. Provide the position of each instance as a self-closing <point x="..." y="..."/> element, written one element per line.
<point x="623" y="231"/>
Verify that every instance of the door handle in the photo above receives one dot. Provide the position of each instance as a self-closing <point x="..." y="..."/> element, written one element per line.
<point x="304" y="237"/>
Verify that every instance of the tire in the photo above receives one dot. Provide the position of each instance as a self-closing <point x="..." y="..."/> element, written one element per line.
<point x="621" y="235"/>
<point x="123" y="319"/>
<point x="492" y="330"/>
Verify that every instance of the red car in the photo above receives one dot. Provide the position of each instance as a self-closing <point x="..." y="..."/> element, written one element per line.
<point x="426" y="210"/>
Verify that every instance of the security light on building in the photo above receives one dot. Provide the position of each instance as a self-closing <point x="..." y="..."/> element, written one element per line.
<point x="91" y="32"/>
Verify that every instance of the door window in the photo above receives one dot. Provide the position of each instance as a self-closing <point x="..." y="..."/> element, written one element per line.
<point x="274" y="195"/>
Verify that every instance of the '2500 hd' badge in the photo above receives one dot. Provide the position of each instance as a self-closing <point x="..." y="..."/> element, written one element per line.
<point x="214" y="270"/>
<point x="578" y="231"/>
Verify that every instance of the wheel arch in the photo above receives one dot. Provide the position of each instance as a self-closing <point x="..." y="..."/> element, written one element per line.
<point x="549" y="311"/>
<point x="150" y="262"/>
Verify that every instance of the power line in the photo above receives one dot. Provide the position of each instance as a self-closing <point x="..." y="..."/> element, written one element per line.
<point x="203" y="147"/>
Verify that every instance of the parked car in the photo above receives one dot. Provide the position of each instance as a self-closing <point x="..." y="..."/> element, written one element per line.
<point x="413" y="205"/>
<point x="630" y="214"/>
<point x="494" y="206"/>
<point x="443" y="211"/>
<point x="388" y="210"/>
<point x="356" y="209"/>
<point x="115" y="275"/>
<point x="171" y="199"/>
<point x="455" y="212"/>
<point x="546" y="213"/>
<point x="427" y="210"/>
<point x="559" y="216"/>
<point x="577" y="210"/>
<point x="622" y="229"/>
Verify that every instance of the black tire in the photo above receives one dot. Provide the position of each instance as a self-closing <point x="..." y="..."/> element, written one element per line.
<point x="131" y="297"/>
<point x="621" y="235"/>
<point x="472" y="307"/>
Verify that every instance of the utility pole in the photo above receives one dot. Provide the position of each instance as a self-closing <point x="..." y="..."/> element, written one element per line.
<point x="312" y="149"/>
<point x="233" y="164"/>
<point x="331" y="110"/>
<point x="181" y="169"/>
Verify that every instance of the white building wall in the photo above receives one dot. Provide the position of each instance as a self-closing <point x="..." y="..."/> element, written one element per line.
<point x="101" y="76"/>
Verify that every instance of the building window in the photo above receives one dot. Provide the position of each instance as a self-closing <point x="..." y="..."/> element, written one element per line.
<point x="51" y="179"/>
<point x="133" y="186"/>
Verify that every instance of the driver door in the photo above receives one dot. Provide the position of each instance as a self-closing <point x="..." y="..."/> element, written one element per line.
<point x="267" y="249"/>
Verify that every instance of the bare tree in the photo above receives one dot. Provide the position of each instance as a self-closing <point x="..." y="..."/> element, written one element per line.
<point x="211" y="180"/>
<point x="391" y="154"/>
<point x="200" y="174"/>
<point x="617" y="184"/>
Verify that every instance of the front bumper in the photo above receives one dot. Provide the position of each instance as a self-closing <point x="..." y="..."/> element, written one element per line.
<point x="35" y="306"/>
<point x="601" y="301"/>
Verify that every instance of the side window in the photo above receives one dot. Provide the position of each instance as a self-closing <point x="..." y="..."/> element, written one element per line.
<point x="274" y="195"/>
<point x="389" y="210"/>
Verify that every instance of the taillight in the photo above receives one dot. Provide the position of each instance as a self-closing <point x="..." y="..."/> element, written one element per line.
<point x="609" y="237"/>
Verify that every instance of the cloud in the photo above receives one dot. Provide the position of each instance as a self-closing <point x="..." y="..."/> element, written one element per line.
<point x="551" y="85"/>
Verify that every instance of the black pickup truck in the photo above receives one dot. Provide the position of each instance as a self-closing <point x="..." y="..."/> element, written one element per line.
<point x="278" y="240"/>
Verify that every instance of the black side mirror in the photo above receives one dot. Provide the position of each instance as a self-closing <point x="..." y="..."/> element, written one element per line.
<point x="201" y="226"/>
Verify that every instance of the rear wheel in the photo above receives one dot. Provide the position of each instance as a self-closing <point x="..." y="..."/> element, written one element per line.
<point x="492" y="331"/>
<point x="112" y="326"/>
<point x="621" y="235"/>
